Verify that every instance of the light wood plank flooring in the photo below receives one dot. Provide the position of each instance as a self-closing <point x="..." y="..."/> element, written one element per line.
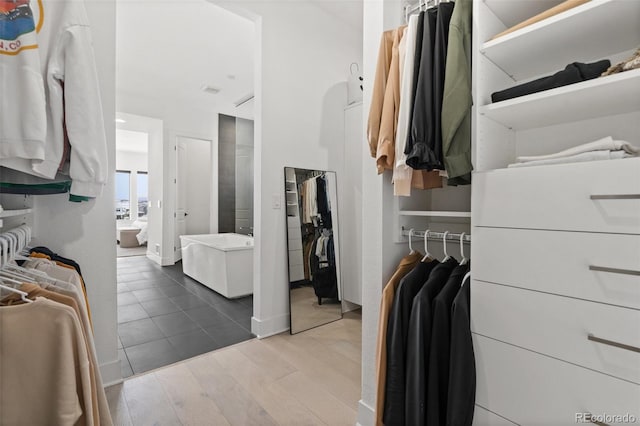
<point x="311" y="378"/>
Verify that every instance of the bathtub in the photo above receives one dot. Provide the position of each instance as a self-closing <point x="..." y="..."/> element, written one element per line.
<point x="222" y="262"/>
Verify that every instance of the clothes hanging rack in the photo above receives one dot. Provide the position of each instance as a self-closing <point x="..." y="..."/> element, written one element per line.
<point x="432" y="235"/>
<point x="410" y="9"/>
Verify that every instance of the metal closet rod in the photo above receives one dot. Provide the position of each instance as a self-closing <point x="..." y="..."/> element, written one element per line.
<point x="437" y="235"/>
<point x="411" y="9"/>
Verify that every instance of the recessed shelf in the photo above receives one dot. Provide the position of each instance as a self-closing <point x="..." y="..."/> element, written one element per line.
<point x="431" y="213"/>
<point x="589" y="32"/>
<point x="614" y="94"/>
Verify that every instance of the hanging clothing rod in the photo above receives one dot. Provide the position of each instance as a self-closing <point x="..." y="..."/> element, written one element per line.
<point x="410" y="9"/>
<point x="437" y="235"/>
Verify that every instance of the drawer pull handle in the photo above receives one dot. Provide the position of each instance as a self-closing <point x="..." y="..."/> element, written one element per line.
<point x="616" y="197"/>
<point x="612" y="343"/>
<point x="614" y="270"/>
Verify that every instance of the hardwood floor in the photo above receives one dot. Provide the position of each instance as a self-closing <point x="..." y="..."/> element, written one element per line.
<point x="311" y="378"/>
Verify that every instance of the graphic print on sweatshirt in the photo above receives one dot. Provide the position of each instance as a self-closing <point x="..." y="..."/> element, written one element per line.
<point x="18" y="27"/>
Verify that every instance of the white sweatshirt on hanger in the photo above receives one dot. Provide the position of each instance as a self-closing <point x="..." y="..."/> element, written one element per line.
<point x="48" y="78"/>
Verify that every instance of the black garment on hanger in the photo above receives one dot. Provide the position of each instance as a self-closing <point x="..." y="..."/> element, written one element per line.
<point x="572" y="73"/>
<point x="445" y="10"/>
<point x="438" y="366"/>
<point x="421" y="152"/>
<point x="322" y="201"/>
<point x="416" y="73"/>
<point x="397" y="331"/>
<point x="419" y="343"/>
<point x="461" y="397"/>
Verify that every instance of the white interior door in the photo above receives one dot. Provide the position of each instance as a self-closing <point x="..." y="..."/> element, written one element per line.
<point x="193" y="187"/>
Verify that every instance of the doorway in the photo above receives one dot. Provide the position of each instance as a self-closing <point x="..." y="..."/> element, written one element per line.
<point x="194" y="179"/>
<point x="164" y="315"/>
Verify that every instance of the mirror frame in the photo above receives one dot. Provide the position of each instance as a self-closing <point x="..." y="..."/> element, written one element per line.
<point x="336" y="244"/>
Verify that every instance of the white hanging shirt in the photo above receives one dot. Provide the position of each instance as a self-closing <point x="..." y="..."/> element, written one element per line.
<point x="48" y="79"/>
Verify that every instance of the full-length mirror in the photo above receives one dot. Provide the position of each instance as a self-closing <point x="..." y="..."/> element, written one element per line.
<point x="313" y="247"/>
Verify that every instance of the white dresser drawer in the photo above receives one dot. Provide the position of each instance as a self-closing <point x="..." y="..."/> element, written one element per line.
<point x="293" y="222"/>
<point x="558" y="262"/>
<point x="296" y="273"/>
<point x="559" y="327"/>
<point x="559" y="197"/>
<point x="294" y="243"/>
<point x="533" y="389"/>
<point x="296" y="257"/>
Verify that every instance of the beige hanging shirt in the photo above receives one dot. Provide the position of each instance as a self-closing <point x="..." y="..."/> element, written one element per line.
<point x="379" y="90"/>
<point x="385" y="152"/>
<point x="44" y="366"/>
<point x="103" y="406"/>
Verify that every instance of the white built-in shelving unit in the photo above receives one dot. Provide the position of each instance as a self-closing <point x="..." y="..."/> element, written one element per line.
<point x="555" y="296"/>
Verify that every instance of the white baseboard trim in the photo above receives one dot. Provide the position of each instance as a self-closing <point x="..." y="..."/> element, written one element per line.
<point x="162" y="261"/>
<point x="349" y="306"/>
<point x="366" y="414"/>
<point x="269" y="327"/>
<point x="111" y="373"/>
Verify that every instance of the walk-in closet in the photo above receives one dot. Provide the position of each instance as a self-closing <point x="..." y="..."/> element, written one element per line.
<point x="552" y="215"/>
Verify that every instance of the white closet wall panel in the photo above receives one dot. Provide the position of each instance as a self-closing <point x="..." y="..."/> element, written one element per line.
<point x="350" y="205"/>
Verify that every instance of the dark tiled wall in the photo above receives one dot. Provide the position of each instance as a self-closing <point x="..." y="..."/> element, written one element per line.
<point x="226" y="173"/>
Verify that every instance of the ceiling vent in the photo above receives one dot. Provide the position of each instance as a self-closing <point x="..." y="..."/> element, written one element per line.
<point x="243" y="100"/>
<point x="210" y="89"/>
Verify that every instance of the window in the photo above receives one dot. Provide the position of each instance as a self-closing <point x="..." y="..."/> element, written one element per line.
<point x="123" y="194"/>
<point x="143" y="193"/>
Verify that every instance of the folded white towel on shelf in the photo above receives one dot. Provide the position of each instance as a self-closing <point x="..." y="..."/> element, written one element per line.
<point x="604" y="144"/>
<point x="578" y="158"/>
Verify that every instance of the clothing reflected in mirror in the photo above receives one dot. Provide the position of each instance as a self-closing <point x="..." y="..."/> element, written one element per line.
<point x="313" y="249"/>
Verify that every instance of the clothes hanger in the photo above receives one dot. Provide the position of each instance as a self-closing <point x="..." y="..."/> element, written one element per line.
<point x="23" y="295"/>
<point x="444" y="241"/>
<point x="427" y="255"/>
<point x="464" y="258"/>
<point x="411" y="251"/>
<point x="467" y="275"/>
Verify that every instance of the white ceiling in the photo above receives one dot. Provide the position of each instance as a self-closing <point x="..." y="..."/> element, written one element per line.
<point x="349" y="11"/>
<point x="130" y="141"/>
<point x="166" y="51"/>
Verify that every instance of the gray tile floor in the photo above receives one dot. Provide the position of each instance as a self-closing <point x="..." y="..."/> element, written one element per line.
<point x="165" y="316"/>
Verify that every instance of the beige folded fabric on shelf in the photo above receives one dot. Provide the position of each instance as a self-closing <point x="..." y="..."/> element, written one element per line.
<point x="604" y="144"/>
<point x="562" y="7"/>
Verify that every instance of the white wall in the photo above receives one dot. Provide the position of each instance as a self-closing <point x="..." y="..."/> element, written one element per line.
<point x="302" y="62"/>
<point x="132" y="161"/>
<point x="85" y="231"/>
<point x="378" y="259"/>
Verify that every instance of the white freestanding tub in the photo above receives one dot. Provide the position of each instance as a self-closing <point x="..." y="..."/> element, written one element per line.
<point x="222" y="262"/>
